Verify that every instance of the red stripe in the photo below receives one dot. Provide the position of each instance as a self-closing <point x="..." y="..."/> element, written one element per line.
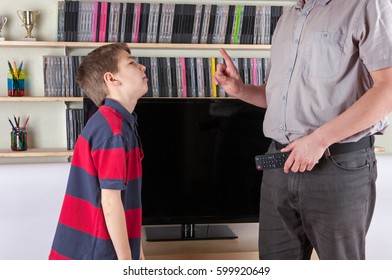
<point x="134" y="222"/>
<point x="134" y="164"/>
<point x="113" y="118"/>
<point x="83" y="216"/>
<point x="82" y="157"/>
<point x="111" y="163"/>
<point x="56" y="256"/>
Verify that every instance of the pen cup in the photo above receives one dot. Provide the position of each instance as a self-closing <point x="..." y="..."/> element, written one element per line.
<point x="19" y="139"/>
<point x="16" y="85"/>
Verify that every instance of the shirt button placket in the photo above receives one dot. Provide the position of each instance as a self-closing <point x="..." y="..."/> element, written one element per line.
<point x="294" y="53"/>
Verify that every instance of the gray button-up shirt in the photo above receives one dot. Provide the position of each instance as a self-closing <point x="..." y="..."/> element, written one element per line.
<point x="321" y="56"/>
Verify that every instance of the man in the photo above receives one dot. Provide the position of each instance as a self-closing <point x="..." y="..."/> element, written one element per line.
<point x="328" y="92"/>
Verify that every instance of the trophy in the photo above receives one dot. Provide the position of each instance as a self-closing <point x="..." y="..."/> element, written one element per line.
<point x="29" y="18"/>
<point x="3" y="21"/>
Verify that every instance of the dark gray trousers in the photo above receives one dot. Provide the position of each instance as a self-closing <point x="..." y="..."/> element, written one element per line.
<point x="329" y="208"/>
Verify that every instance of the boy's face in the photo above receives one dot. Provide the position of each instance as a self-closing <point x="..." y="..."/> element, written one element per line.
<point x="131" y="75"/>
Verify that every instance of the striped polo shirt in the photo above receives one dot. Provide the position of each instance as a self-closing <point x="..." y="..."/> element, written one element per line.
<point x="107" y="155"/>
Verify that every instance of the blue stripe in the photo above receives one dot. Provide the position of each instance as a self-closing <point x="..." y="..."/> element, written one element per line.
<point x="84" y="186"/>
<point x="81" y="246"/>
<point x="78" y="245"/>
<point x="79" y="179"/>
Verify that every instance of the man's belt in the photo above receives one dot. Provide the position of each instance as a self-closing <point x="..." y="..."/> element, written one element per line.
<point x="341" y="148"/>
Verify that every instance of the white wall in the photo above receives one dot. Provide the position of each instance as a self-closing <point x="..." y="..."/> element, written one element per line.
<point x="379" y="238"/>
<point x="30" y="200"/>
<point x="31" y="196"/>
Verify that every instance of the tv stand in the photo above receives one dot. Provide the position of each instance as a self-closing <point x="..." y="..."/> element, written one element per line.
<point x="189" y="232"/>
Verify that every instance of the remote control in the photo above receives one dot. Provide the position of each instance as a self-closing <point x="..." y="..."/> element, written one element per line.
<point x="271" y="161"/>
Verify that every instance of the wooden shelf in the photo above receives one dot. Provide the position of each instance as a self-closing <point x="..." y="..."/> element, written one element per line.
<point x="80" y="99"/>
<point x="92" y="45"/>
<point x="40" y="99"/>
<point x="47" y="152"/>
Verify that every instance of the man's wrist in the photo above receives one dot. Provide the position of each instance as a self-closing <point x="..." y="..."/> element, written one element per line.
<point x="242" y="91"/>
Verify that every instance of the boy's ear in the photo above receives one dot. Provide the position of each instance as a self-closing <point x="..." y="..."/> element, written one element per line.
<point x="109" y="78"/>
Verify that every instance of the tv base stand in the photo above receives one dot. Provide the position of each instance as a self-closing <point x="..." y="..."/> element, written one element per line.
<point x="188" y="232"/>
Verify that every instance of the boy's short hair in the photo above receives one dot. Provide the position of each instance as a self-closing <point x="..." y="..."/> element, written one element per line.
<point x="93" y="67"/>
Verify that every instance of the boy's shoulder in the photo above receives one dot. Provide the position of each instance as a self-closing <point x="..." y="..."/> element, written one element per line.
<point x="113" y="118"/>
<point x="105" y="120"/>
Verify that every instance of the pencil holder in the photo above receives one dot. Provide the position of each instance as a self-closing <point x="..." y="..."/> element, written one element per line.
<point x="19" y="139"/>
<point x="16" y="85"/>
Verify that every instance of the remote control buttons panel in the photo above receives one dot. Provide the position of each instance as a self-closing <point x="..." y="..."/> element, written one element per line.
<point x="271" y="161"/>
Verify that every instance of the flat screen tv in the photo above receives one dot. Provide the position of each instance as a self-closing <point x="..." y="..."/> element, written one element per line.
<point x="198" y="167"/>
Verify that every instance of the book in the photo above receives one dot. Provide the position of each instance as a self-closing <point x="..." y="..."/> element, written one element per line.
<point x="192" y="84"/>
<point x="200" y="77"/>
<point x="180" y="90"/>
<point x="136" y="22"/>
<point x="210" y="30"/>
<point x="230" y="23"/>
<point x="96" y="23"/>
<point x="206" y="24"/>
<point x="61" y="21"/>
<point x="154" y="77"/>
<point x="238" y="25"/>
<point x="103" y="21"/>
<point x="183" y="78"/>
<point x="212" y="84"/>
<point x="168" y="75"/>
<point x="129" y="22"/>
<point x="207" y="75"/>
<point x="143" y="23"/>
<point x="197" y="23"/>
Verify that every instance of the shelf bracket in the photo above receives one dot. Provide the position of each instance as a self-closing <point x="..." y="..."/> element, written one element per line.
<point x="66" y="50"/>
<point x="67" y="104"/>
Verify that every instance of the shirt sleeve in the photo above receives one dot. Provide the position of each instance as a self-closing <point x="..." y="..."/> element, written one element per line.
<point x="375" y="35"/>
<point x="111" y="163"/>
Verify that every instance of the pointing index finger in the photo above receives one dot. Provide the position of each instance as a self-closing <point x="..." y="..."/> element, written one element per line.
<point x="227" y="58"/>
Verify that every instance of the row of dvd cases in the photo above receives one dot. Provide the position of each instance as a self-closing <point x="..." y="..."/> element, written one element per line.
<point x="99" y="21"/>
<point x="167" y="76"/>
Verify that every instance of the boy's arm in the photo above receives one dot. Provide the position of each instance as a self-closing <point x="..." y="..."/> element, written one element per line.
<point x="113" y="211"/>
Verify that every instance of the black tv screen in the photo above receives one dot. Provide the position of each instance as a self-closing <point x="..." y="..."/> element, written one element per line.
<point x="198" y="165"/>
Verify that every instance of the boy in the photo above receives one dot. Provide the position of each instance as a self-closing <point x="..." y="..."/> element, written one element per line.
<point x="101" y="213"/>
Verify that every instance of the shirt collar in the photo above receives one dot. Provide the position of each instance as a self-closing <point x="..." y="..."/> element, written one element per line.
<point x="129" y="117"/>
<point x="300" y="3"/>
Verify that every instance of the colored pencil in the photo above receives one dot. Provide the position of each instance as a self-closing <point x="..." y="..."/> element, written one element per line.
<point x="24" y="126"/>
<point x="13" y="127"/>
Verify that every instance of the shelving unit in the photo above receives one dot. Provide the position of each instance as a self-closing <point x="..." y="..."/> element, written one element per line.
<point x="155" y="46"/>
<point x="46" y="152"/>
<point x="66" y="47"/>
<point x="45" y="31"/>
<point x="37" y="152"/>
<point x="40" y="99"/>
